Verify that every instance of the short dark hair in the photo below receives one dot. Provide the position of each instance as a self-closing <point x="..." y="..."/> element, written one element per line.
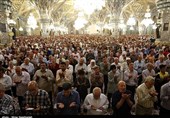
<point x="63" y="63"/>
<point x="112" y="67"/>
<point x="66" y="86"/>
<point x="81" y="72"/>
<point x="162" y="66"/>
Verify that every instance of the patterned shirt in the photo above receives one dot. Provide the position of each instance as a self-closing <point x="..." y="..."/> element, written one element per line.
<point x="6" y="105"/>
<point x="41" y="99"/>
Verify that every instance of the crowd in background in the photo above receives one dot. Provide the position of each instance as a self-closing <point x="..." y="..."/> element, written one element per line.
<point x="85" y="73"/>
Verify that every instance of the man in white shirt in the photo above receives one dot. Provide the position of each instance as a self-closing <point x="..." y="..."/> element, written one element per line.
<point x="63" y="75"/>
<point x="96" y="103"/>
<point x="28" y="66"/>
<point x="149" y="71"/>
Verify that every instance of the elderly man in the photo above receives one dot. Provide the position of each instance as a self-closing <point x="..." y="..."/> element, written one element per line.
<point x="122" y="100"/>
<point x="146" y="96"/>
<point x="6" y="102"/>
<point x="28" y="66"/>
<point x="36" y="99"/>
<point x="21" y="79"/>
<point x="96" y="103"/>
<point x="67" y="101"/>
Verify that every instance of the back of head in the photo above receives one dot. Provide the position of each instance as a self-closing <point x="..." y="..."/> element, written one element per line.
<point x="149" y="78"/>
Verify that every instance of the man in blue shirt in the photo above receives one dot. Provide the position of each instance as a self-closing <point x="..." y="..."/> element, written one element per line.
<point x="67" y="101"/>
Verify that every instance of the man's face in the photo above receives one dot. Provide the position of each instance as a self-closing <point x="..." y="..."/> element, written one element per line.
<point x="122" y="87"/>
<point x="1" y="93"/>
<point x="43" y="66"/>
<point x="63" y="67"/>
<point x="33" y="90"/>
<point x="67" y="92"/>
<point x="96" y="95"/>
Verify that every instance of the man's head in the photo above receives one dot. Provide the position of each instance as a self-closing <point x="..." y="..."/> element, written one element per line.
<point x="26" y="61"/>
<point x="18" y="70"/>
<point x="96" y="69"/>
<point x="2" y="90"/>
<point x="121" y="86"/>
<point x="33" y="88"/>
<point x="43" y="66"/>
<point x="113" y="68"/>
<point x="1" y="72"/>
<point x="96" y="93"/>
<point x="81" y="61"/>
<point x="149" y="81"/>
<point x="67" y="89"/>
<point x="150" y="66"/>
<point x="63" y="66"/>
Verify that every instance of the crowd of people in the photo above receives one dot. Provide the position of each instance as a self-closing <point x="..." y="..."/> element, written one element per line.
<point x="84" y="74"/>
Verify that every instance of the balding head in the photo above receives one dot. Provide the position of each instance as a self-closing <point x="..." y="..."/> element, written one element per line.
<point x="121" y="86"/>
<point x="96" y="92"/>
<point x="33" y="87"/>
<point x="18" y="70"/>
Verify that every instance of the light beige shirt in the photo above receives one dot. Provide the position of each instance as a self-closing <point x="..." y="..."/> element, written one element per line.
<point x="67" y="78"/>
<point x="45" y="84"/>
<point x="143" y="97"/>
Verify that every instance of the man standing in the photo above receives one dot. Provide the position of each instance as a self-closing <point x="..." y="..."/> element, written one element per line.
<point x="6" y="102"/>
<point x="67" y="101"/>
<point x="165" y="99"/>
<point x="146" y="96"/>
<point x="122" y="100"/>
<point x="37" y="99"/>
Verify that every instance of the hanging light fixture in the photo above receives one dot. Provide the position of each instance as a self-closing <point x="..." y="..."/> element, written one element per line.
<point x="131" y="21"/>
<point x="147" y="20"/>
<point x="32" y="21"/>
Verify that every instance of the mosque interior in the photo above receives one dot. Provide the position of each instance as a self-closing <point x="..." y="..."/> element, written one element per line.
<point x="104" y="17"/>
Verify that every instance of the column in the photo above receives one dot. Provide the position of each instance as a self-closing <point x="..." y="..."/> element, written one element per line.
<point x="45" y="23"/>
<point x="5" y="31"/>
<point x="164" y="17"/>
<point x="165" y="29"/>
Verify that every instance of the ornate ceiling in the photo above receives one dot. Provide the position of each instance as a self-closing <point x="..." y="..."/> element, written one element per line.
<point x="63" y="12"/>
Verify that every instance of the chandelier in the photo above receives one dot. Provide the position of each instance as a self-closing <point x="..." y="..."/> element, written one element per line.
<point x="131" y="22"/>
<point x="80" y="21"/>
<point x="32" y="21"/>
<point x="147" y="20"/>
<point x="88" y="6"/>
